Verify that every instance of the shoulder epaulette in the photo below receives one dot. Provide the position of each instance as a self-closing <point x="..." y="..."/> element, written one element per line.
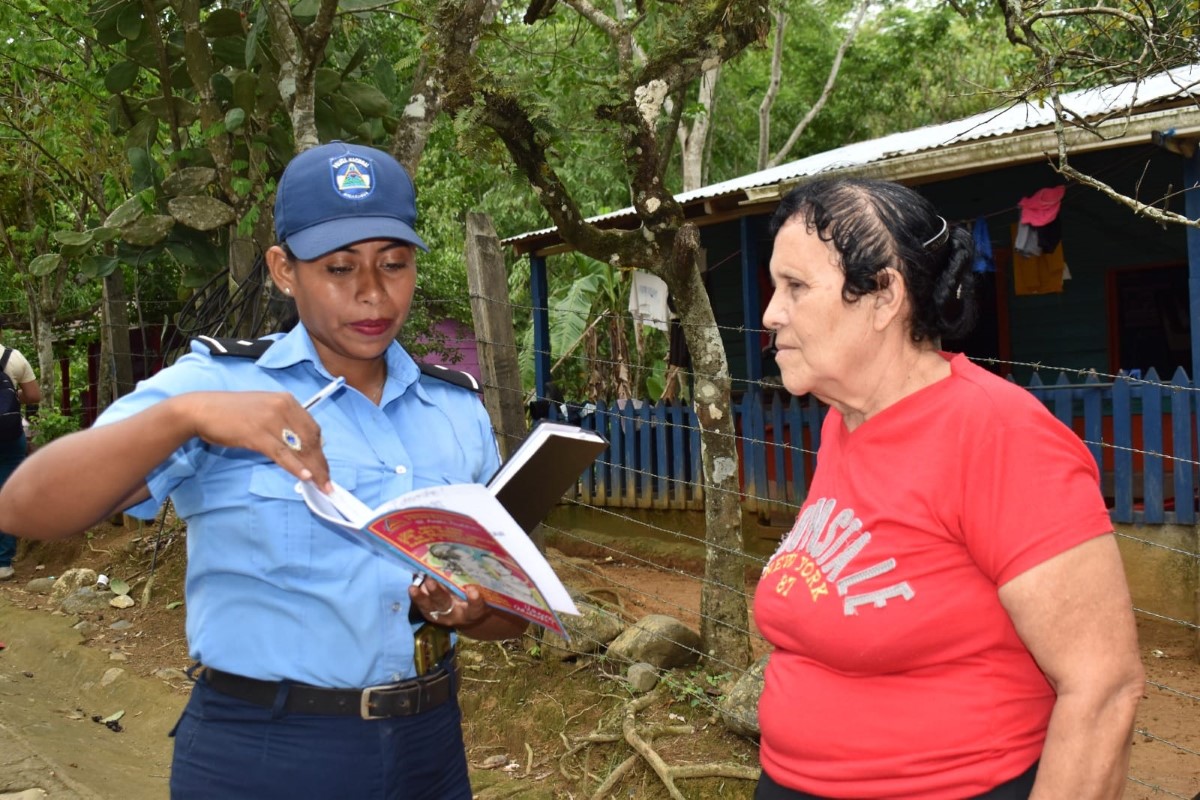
<point x="464" y="379"/>
<point x="237" y="348"/>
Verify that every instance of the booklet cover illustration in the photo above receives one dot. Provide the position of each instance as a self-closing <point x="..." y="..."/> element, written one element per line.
<point x="463" y="534"/>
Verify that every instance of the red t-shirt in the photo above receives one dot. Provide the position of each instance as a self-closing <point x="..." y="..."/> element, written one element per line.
<point x="896" y="671"/>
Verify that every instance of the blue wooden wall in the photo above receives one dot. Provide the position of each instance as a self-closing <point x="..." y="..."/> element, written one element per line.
<point x="1141" y="432"/>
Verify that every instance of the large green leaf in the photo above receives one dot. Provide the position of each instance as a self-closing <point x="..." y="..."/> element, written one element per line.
<point x="201" y="212"/>
<point x="195" y="278"/>
<point x="74" y="243"/>
<point x="129" y="23"/>
<point x="143" y="134"/>
<point x="223" y="22"/>
<point x="148" y="230"/>
<point x="347" y="114"/>
<point x="136" y="256"/>
<point x="126" y="213"/>
<point x="184" y="109"/>
<point x="189" y="180"/>
<point x="44" y="264"/>
<point x="121" y="77"/>
<point x="327" y="81"/>
<point x="369" y="100"/>
<point x="385" y="77"/>
<point x="104" y="15"/>
<point x="222" y="87"/>
<point x="306" y="9"/>
<point x="195" y="250"/>
<point x="144" y="167"/>
<point x="268" y="94"/>
<point x="326" y="121"/>
<point x="104" y="234"/>
<point x="73" y="238"/>
<point x="230" y="50"/>
<point x="256" y="29"/>
<point x="234" y="119"/>
<point x="245" y="90"/>
<point x="356" y="59"/>
<point x="183" y="253"/>
<point x="282" y="144"/>
<point x="94" y="267"/>
<point x="123" y="112"/>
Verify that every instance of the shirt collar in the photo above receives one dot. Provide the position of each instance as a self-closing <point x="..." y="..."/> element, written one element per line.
<point x="296" y="347"/>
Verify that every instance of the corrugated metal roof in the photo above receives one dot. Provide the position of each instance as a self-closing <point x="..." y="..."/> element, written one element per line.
<point x="1085" y="104"/>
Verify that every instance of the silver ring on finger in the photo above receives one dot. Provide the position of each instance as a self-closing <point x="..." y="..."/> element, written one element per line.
<point x="292" y="440"/>
<point x="438" y="614"/>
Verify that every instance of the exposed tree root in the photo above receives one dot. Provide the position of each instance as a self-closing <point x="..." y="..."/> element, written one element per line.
<point x="640" y="740"/>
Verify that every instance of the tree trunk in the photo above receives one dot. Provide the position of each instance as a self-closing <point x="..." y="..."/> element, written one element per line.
<point x="694" y="138"/>
<point x="43" y="337"/>
<point x="723" y="612"/>
<point x="116" y="336"/>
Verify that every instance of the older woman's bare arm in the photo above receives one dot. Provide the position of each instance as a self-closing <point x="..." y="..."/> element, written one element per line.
<point x="1075" y="615"/>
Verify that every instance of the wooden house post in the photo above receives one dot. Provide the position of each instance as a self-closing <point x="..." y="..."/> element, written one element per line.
<point x="539" y="292"/>
<point x="1191" y="195"/>
<point x="492" y="314"/>
<point x="1191" y="180"/>
<point x="754" y="453"/>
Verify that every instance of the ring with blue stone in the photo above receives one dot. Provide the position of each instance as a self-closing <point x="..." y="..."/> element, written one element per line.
<point x="292" y="440"/>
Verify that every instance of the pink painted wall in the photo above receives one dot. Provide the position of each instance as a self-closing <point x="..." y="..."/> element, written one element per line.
<point x="461" y="340"/>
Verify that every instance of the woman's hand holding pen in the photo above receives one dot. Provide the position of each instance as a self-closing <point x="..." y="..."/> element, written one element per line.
<point x="272" y="423"/>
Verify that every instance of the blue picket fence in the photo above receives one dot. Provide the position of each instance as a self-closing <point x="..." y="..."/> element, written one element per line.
<point x="1141" y="432"/>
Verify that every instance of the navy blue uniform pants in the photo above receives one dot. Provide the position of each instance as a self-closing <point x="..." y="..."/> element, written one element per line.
<point x="228" y="749"/>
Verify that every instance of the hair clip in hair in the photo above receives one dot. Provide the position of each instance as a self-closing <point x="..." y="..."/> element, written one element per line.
<point x="958" y="292"/>
<point x="939" y="238"/>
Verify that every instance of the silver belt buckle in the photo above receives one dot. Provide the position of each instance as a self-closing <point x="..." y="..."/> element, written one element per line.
<point x="364" y="701"/>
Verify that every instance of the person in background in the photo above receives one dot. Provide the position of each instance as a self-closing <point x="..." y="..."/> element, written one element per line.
<point x="308" y="684"/>
<point x="13" y="451"/>
<point x="950" y="615"/>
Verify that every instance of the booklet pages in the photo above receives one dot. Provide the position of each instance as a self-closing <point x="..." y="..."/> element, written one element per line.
<point x="459" y="534"/>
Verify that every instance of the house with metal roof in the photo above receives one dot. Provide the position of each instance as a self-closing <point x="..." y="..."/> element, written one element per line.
<point x="1114" y="297"/>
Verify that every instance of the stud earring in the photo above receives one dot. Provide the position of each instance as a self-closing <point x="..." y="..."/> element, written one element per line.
<point x="287" y="291"/>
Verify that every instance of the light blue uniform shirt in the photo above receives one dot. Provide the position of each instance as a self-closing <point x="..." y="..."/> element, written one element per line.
<point x="272" y="592"/>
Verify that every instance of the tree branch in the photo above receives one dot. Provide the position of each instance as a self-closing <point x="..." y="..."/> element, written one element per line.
<point x="834" y="69"/>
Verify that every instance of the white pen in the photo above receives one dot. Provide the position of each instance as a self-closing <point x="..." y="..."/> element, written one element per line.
<point x="327" y="390"/>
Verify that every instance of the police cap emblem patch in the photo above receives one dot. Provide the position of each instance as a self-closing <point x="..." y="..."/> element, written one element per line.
<point x="353" y="177"/>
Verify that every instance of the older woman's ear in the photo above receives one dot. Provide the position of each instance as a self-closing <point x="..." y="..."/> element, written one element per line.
<point x="888" y="300"/>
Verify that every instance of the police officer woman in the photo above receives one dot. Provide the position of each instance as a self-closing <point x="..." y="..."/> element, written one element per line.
<point x="309" y="684"/>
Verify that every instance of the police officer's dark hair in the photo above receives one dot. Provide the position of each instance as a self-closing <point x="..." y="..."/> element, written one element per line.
<point x="875" y="224"/>
<point x="289" y="316"/>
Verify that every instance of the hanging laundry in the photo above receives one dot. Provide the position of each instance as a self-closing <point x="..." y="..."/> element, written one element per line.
<point x="1025" y="241"/>
<point x="1049" y="235"/>
<point x="1041" y="274"/>
<point x="648" y="300"/>
<point x="984" y="260"/>
<point x="1041" y="208"/>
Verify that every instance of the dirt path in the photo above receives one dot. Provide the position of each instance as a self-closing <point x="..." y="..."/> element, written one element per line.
<point x="51" y="685"/>
<point x="50" y="688"/>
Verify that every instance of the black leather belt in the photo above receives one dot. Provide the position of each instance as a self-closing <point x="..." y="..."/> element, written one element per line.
<point x="373" y="702"/>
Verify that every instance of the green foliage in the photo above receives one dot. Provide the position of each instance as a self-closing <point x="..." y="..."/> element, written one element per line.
<point x="909" y="66"/>
<point x="696" y="688"/>
<point x="50" y="424"/>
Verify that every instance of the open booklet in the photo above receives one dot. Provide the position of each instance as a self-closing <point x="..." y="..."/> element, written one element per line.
<point x="466" y="533"/>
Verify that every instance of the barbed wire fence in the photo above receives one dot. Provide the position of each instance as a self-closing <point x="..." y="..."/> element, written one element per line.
<point x="1170" y="642"/>
<point x="613" y="563"/>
